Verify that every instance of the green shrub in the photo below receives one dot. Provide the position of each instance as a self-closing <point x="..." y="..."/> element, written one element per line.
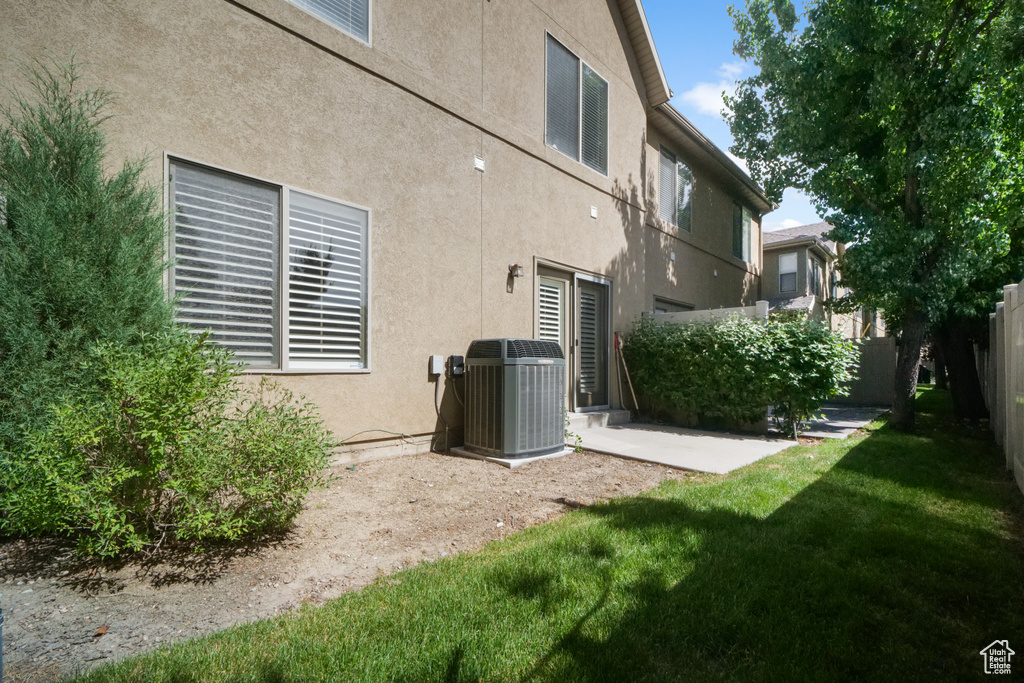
<point x="79" y="250"/>
<point x="170" y="445"/>
<point x="732" y="370"/>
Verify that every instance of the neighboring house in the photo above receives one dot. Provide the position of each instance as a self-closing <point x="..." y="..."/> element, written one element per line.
<point x="800" y="276"/>
<point x="354" y="184"/>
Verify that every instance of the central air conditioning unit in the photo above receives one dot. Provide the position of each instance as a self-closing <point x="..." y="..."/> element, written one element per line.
<point x="515" y="398"/>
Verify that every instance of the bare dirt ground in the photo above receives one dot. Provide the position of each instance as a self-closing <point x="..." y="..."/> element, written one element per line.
<point x="65" y="614"/>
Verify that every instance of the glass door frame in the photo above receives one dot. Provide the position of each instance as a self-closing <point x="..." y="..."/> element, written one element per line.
<point x="609" y="343"/>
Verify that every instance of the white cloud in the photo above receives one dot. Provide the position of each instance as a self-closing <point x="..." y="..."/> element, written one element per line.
<point x="732" y="70"/>
<point x="706" y="98"/>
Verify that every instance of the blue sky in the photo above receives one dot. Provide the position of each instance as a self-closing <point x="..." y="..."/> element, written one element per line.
<point x="694" y="42"/>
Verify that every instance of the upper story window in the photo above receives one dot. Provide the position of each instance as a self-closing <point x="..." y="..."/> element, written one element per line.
<point x="787" y="272"/>
<point x="576" y="105"/>
<point x="675" y="194"/>
<point x="351" y="16"/>
<point x="741" y="225"/>
<point x="815" y="276"/>
<point x="278" y="276"/>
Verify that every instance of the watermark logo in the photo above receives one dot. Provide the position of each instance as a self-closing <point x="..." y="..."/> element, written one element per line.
<point x="997" y="657"/>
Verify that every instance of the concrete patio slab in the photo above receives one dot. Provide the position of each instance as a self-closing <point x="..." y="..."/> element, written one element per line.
<point x="840" y="421"/>
<point x="686" y="449"/>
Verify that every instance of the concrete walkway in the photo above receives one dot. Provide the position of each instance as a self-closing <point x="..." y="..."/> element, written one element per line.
<point x="686" y="449"/>
<point x="715" y="452"/>
<point x="840" y="421"/>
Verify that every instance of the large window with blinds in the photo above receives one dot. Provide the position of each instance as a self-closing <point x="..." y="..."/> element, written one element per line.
<point x="278" y="276"/>
<point x="675" y="191"/>
<point x="351" y="16"/>
<point x="576" y="108"/>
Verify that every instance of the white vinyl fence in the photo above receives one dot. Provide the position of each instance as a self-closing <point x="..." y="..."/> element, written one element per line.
<point x="759" y="311"/>
<point x="1001" y="369"/>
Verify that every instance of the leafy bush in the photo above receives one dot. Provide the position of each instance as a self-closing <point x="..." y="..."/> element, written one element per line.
<point x="734" y="369"/>
<point x="170" y="444"/>
<point x="79" y="251"/>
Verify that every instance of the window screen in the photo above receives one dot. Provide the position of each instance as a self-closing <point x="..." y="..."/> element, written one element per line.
<point x="576" y="108"/>
<point x="787" y="272"/>
<point x="595" y="120"/>
<point x="226" y="254"/>
<point x="563" y="100"/>
<point x="684" y="196"/>
<point x="351" y="16"/>
<point x="667" y="179"/>
<point x="741" y="220"/>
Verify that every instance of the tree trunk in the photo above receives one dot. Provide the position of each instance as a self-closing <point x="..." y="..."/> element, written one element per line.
<point x="908" y="358"/>
<point x="940" y="368"/>
<point x="961" y="365"/>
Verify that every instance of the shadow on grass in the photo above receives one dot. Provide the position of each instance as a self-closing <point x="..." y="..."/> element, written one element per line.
<point x="900" y="561"/>
<point x="888" y="563"/>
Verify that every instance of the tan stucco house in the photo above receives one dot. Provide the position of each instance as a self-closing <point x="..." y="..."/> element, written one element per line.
<point x="354" y="185"/>
<point x="801" y="275"/>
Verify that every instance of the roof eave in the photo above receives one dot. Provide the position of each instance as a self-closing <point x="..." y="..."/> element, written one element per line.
<point x="647" y="58"/>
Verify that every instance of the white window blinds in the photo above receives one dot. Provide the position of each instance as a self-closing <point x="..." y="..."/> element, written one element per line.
<point x="326" y="283"/>
<point x="787" y="272"/>
<point x="576" y="108"/>
<point x="226" y="233"/>
<point x="229" y="262"/>
<point x="351" y="16"/>
<point x="551" y="312"/>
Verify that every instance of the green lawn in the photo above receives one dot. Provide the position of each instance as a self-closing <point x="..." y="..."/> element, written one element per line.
<point x="885" y="557"/>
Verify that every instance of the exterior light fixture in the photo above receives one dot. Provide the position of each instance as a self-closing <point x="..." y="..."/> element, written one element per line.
<point x="515" y="270"/>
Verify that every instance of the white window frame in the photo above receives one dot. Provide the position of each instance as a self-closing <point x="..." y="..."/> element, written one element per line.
<point x="285" y="367"/>
<point x="579" y="99"/>
<point x="795" y="272"/>
<point x="369" y="22"/>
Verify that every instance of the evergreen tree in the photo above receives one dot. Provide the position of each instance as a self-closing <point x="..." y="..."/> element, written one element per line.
<point x="80" y="250"/>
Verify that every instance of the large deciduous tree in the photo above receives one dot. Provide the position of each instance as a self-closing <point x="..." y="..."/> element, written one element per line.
<point x="903" y="120"/>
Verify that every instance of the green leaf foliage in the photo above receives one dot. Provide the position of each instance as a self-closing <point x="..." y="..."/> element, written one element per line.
<point x="903" y="120"/>
<point x="79" y="249"/>
<point x="170" y="444"/>
<point x="734" y="369"/>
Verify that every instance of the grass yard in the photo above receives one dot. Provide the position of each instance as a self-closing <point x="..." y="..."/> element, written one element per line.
<point x="880" y="557"/>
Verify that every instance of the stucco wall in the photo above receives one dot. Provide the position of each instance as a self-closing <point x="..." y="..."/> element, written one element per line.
<point x="263" y="89"/>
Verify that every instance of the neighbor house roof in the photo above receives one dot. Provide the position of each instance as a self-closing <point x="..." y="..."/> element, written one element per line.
<point x="791" y="303"/>
<point x="812" y="234"/>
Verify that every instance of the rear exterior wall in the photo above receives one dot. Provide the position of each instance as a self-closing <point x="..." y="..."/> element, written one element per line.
<point x="262" y="89"/>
